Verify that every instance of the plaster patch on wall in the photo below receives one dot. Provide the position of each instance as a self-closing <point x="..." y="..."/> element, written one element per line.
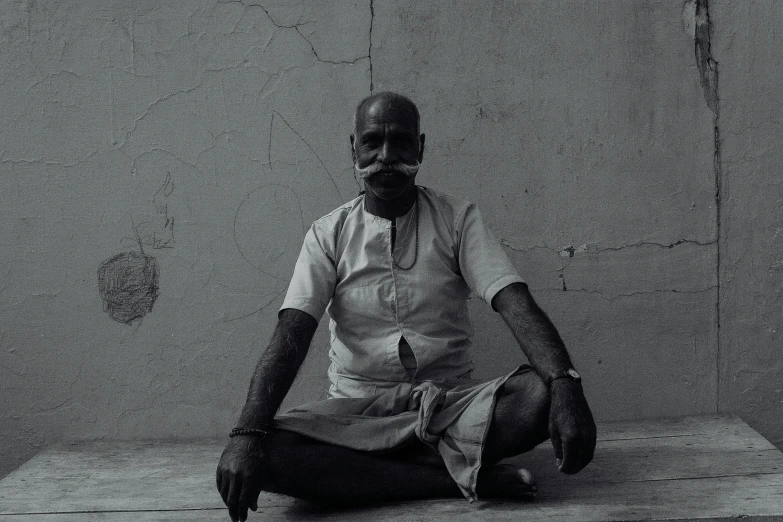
<point x="689" y="18"/>
<point x="708" y="67"/>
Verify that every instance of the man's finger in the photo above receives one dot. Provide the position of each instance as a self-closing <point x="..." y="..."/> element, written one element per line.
<point x="585" y="455"/>
<point x="244" y="503"/>
<point x="570" y="454"/>
<point x="580" y="453"/>
<point x="225" y="485"/>
<point x="579" y="461"/>
<point x="252" y="496"/>
<point x="233" y="498"/>
<point x="557" y="444"/>
<point x="248" y="498"/>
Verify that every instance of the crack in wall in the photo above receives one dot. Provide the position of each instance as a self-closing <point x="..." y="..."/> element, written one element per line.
<point x="603" y="295"/>
<point x="369" y="51"/>
<point x="329" y="174"/>
<point x="708" y="67"/>
<point x="41" y="161"/>
<point x="317" y="57"/>
<point x="708" y="76"/>
<point x="588" y="248"/>
<point x="296" y="27"/>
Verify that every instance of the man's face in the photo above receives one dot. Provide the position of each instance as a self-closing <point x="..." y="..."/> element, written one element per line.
<point x="388" y="146"/>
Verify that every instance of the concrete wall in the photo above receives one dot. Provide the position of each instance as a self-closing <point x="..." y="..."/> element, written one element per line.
<point x="210" y="134"/>
<point x="747" y="42"/>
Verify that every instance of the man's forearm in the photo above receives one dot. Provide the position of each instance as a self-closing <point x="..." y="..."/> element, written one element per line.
<point x="277" y="368"/>
<point x="536" y="334"/>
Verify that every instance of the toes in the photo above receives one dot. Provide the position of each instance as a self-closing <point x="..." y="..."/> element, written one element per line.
<point x="520" y="483"/>
<point x="529" y="481"/>
<point x="527" y="477"/>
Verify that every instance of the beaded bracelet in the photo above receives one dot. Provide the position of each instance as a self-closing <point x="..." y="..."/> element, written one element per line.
<point x="248" y="431"/>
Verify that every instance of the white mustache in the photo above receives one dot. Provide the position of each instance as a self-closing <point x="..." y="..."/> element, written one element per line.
<point x="400" y="168"/>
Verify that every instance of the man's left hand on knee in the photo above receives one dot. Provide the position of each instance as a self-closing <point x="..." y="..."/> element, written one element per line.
<point x="571" y="426"/>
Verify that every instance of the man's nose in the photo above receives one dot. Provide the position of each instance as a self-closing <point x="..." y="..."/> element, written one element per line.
<point x="387" y="154"/>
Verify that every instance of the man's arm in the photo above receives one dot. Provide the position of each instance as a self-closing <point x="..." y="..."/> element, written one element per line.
<point x="240" y="469"/>
<point x="571" y="425"/>
<point x="277" y="368"/>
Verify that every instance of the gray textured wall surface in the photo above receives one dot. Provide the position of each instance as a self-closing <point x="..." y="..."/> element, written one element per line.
<point x="208" y="135"/>
<point x="748" y="42"/>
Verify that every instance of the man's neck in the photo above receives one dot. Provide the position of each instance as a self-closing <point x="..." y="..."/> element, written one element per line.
<point x="391" y="208"/>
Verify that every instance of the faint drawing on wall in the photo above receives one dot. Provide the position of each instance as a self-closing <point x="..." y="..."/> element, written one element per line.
<point x="269" y="228"/>
<point x="156" y="232"/>
<point x="272" y="219"/>
<point x="128" y="283"/>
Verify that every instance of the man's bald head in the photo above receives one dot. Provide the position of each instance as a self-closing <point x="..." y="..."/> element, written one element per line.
<point x="391" y="100"/>
<point x="386" y="145"/>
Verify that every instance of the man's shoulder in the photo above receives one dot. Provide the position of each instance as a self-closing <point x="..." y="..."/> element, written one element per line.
<point x="450" y="207"/>
<point x="335" y="219"/>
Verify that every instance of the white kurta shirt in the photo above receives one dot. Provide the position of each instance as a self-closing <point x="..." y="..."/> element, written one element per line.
<point x="346" y="264"/>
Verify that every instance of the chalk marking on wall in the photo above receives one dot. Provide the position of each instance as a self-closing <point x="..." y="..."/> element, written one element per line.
<point x="264" y="227"/>
<point x="128" y="284"/>
<point x="160" y="234"/>
<point x="276" y="293"/>
<point x="329" y="174"/>
<point x="256" y="198"/>
<point x="129" y="281"/>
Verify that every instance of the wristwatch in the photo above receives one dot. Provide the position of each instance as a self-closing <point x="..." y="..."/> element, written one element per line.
<point x="570" y="373"/>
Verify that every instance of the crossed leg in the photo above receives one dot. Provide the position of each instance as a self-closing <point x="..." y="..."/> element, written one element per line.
<point x="298" y="466"/>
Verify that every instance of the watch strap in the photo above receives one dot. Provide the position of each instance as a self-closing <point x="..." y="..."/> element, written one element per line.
<point x="568" y="373"/>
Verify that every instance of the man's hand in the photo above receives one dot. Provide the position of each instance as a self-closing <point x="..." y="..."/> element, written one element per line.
<point x="571" y="426"/>
<point x="239" y="475"/>
<point x="241" y="467"/>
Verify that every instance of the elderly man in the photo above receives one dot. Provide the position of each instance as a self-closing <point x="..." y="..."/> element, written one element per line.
<point x="405" y="420"/>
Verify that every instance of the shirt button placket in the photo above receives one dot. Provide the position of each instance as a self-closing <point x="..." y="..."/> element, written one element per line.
<point x="393" y="302"/>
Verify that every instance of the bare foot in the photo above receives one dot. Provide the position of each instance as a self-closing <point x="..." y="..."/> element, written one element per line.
<point x="506" y="481"/>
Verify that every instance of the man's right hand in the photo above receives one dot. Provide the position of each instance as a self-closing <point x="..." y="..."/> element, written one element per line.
<point x="239" y="475"/>
<point x="241" y="471"/>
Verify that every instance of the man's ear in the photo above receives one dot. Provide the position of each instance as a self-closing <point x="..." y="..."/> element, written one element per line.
<point x="353" y="149"/>
<point x="421" y="147"/>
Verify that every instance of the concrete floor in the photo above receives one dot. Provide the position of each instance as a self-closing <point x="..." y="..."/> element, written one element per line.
<point x="712" y="468"/>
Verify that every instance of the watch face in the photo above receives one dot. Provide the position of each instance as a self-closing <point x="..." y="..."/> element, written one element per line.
<point x="574" y="374"/>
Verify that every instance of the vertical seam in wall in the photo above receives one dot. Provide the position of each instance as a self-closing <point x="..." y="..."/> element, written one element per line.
<point x="708" y="75"/>
<point x="718" y="186"/>
<point x="369" y="52"/>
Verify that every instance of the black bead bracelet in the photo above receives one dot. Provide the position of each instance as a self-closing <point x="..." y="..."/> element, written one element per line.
<point x="248" y="431"/>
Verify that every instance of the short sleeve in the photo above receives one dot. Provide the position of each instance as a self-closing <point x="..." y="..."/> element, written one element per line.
<point x="312" y="284"/>
<point x="484" y="264"/>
